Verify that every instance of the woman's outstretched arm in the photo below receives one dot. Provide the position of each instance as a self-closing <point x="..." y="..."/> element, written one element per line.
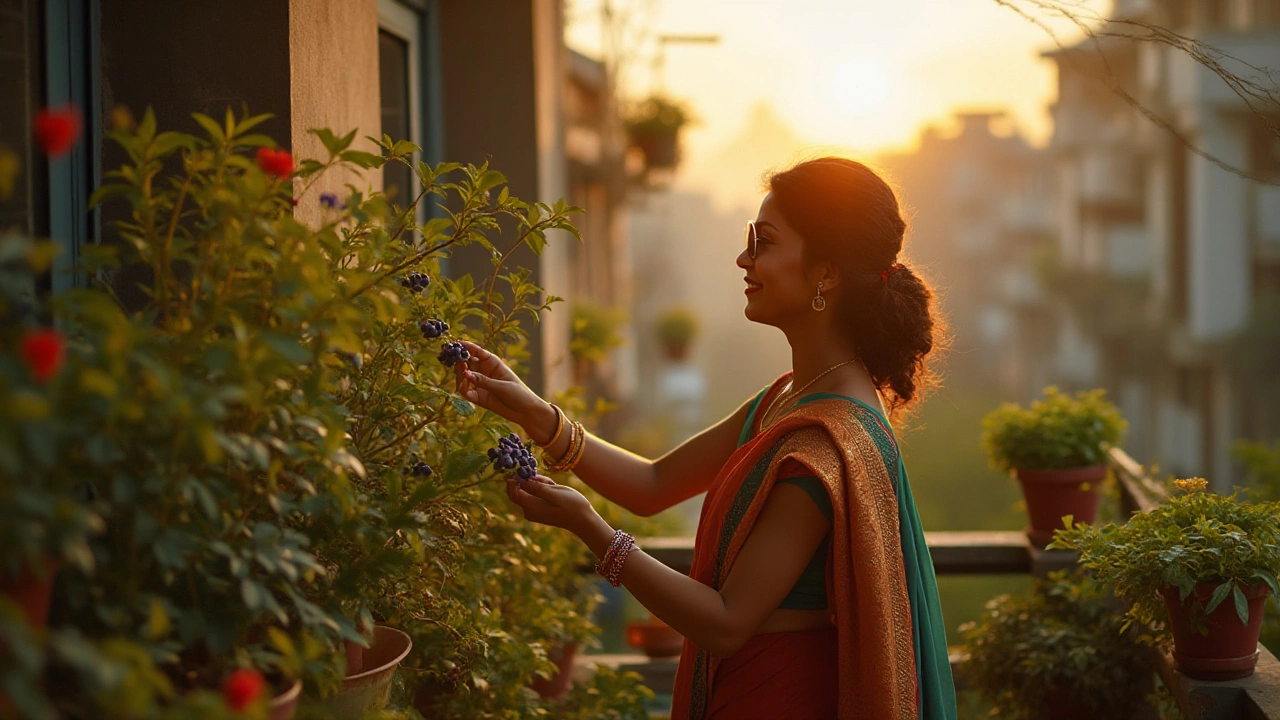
<point x="638" y="484"/>
<point x="785" y="536"/>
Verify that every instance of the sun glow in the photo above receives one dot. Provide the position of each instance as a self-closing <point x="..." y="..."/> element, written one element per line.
<point x="860" y="86"/>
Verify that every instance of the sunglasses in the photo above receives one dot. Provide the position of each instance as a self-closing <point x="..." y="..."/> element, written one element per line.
<point x="753" y="240"/>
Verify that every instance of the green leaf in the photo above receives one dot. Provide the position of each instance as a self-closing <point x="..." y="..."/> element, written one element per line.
<point x="1270" y="580"/>
<point x="253" y="594"/>
<point x="249" y="123"/>
<point x="462" y="464"/>
<point x="1242" y="605"/>
<point x="1219" y="594"/>
<point x="363" y="159"/>
<point x="463" y="407"/>
<point x="489" y="180"/>
<point x="210" y="126"/>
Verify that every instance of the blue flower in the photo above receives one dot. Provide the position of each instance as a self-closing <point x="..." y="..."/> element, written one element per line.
<point x="330" y="200"/>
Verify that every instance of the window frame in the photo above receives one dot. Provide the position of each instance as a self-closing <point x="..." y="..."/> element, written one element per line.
<point x="405" y="23"/>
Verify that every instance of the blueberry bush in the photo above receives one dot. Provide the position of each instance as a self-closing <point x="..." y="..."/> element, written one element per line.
<point x="268" y="456"/>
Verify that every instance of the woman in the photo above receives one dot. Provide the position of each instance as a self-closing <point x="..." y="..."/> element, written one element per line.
<point x="812" y="593"/>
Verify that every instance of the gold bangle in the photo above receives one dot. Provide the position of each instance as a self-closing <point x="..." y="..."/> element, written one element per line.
<point x="582" y="447"/>
<point x="555" y="465"/>
<point x="559" y="427"/>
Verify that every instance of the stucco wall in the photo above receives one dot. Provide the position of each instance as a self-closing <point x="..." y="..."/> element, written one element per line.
<point x="333" y="66"/>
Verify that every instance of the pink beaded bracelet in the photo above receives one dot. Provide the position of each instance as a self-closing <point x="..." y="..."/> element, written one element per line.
<point x="610" y="566"/>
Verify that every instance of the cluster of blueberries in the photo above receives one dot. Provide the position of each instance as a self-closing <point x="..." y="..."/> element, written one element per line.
<point x="421" y="470"/>
<point x="510" y="454"/>
<point x="416" y="282"/>
<point x="452" y="353"/>
<point x="433" y="328"/>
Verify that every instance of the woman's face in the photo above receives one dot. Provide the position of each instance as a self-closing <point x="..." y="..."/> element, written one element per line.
<point x="779" y="285"/>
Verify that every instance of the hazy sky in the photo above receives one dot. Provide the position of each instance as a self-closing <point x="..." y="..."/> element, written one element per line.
<point x="853" y="73"/>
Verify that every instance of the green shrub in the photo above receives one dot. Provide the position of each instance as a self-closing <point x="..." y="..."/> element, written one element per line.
<point x="677" y="326"/>
<point x="1194" y="537"/>
<point x="1064" y="637"/>
<point x="249" y="437"/>
<point x="1058" y="432"/>
<point x="657" y="115"/>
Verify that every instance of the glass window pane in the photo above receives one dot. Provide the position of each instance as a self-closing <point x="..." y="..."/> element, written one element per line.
<point x="393" y="71"/>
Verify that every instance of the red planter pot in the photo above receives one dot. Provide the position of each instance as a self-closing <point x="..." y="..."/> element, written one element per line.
<point x="31" y="589"/>
<point x="557" y="684"/>
<point x="1051" y="494"/>
<point x="355" y="657"/>
<point x="655" y="638"/>
<point x="660" y="150"/>
<point x="1230" y="650"/>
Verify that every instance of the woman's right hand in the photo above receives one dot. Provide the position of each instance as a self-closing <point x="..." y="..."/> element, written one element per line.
<point x="489" y="383"/>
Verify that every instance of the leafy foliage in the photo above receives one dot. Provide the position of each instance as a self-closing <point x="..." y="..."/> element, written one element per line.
<point x="1057" y="432"/>
<point x="1063" y="638"/>
<point x="1196" y="537"/>
<point x="248" y="436"/>
<point x="595" y="330"/>
<point x="677" y="326"/>
<point x="657" y="115"/>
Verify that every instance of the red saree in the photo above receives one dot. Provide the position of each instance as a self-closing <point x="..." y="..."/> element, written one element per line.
<point x="873" y="652"/>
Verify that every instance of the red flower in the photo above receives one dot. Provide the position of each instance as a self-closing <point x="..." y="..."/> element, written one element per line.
<point x="275" y="162"/>
<point x="57" y="129"/>
<point x="43" y="351"/>
<point x="242" y="689"/>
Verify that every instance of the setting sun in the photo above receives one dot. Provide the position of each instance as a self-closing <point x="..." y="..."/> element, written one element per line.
<point x="860" y="85"/>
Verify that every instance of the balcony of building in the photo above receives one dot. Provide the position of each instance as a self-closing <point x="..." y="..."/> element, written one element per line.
<point x="1256" y="697"/>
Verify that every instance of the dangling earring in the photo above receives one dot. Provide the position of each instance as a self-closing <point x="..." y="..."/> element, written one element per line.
<point x="819" y="303"/>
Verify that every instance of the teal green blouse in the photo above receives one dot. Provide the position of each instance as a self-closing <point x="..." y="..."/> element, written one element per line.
<point x="810" y="590"/>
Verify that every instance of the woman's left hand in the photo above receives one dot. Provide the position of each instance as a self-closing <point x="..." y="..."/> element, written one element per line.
<point x="545" y="502"/>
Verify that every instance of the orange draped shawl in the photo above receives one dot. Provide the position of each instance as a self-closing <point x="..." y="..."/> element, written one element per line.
<point x="867" y="588"/>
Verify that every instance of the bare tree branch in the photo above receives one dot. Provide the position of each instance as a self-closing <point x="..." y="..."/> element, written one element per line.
<point x="1260" y="93"/>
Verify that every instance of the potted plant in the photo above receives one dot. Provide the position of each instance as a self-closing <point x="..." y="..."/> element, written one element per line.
<point x="676" y="329"/>
<point x="207" y="430"/>
<point x="1059" y="653"/>
<point x="1199" y="566"/>
<point x="287" y="460"/>
<point x="1057" y="449"/>
<point x="653" y="126"/>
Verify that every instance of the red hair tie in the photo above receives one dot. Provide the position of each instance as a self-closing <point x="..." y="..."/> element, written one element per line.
<point x="884" y="274"/>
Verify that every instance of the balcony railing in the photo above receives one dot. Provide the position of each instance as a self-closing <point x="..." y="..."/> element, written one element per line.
<point x="985" y="553"/>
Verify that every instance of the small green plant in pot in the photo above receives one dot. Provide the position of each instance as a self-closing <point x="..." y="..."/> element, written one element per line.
<point x="1198" y="567"/>
<point x="1060" y="651"/>
<point x="676" y="329"/>
<point x="1057" y="448"/>
<point x="653" y="125"/>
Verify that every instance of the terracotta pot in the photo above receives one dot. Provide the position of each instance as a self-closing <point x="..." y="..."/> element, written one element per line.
<point x="284" y="705"/>
<point x="1051" y="494"/>
<point x="1230" y="650"/>
<point x="371" y="687"/>
<point x="32" y="589"/>
<point x="661" y="150"/>
<point x="675" y="351"/>
<point x="355" y="657"/>
<point x="655" y="638"/>
<point x="556" y="685"/>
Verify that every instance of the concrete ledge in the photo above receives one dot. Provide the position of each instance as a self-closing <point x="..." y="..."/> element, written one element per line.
<point x="1256" y="697"/>
<point x="954" y="553"/>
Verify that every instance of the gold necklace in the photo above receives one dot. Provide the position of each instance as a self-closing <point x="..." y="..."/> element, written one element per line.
<point x="793" y="393"/>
